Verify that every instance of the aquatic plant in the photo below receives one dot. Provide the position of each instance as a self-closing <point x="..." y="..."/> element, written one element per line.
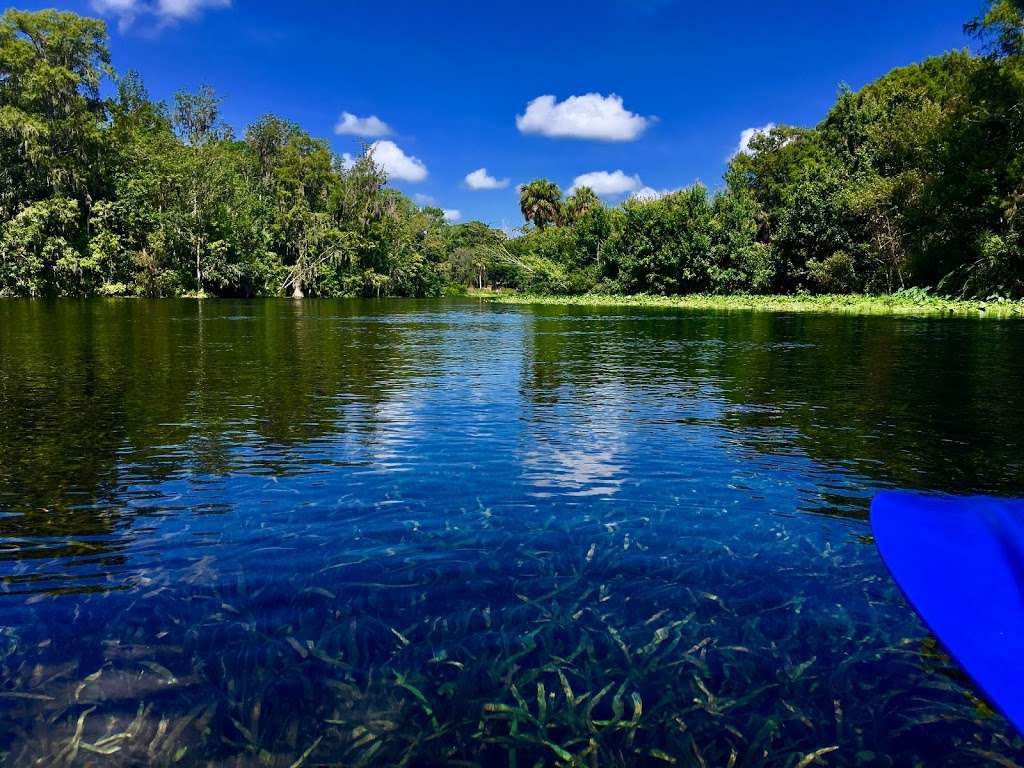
<point x="910" y="302"/>
<point x="568" y="645"/>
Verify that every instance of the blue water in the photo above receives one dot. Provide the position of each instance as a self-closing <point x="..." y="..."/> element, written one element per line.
<point x="450" y="533"/>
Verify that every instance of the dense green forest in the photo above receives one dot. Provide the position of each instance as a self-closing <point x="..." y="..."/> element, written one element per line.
<point x="915" y="181"/>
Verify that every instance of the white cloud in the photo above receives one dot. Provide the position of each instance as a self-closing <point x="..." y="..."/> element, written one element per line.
<point x="371" y="127"/>
<point x="451" y="215"/>
<point x="748" y="135"/>
<point x="185" y="9"/>
<point x="162" y="11"/>
<point x="590" y="116"/>
<point x="605" y="183"/>
<point x="649" y="194"/>
<point x="480" y="179"/>
<point x="115" y="7"/>
<point x="395" y="163"/>
<point x="126" y="11"/>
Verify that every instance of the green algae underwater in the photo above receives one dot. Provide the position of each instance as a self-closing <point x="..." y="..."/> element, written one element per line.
<point x="450" y="533"/>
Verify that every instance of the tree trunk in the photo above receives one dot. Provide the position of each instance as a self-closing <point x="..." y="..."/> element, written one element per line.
<point x="198" y="239"/>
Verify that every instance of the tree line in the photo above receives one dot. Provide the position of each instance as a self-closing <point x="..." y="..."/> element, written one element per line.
<point x="914" y="181"/>
<point x="123" y="195"/>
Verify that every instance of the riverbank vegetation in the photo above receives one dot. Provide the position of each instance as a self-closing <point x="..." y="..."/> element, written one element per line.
<point x="908" y="302"/>
<point x="915" y="181"/>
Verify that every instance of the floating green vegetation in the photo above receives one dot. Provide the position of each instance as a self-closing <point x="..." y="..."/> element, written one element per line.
<point x="911" y="302"/>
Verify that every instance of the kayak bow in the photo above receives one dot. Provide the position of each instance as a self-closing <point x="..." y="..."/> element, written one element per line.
<point x="960" y="564"/>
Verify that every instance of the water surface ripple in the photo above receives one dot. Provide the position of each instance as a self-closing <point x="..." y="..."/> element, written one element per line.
<point x="448" y="533"/>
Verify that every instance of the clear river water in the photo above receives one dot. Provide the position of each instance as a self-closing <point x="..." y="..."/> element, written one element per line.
<point x="354" y="533"/>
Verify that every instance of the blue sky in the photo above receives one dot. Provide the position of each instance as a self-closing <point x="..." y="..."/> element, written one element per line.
<point x="450" y="78"/>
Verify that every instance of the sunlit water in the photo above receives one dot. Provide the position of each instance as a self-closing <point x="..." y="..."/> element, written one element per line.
<point x="448" y="533"/>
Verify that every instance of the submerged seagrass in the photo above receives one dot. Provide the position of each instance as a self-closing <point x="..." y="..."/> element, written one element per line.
<point x="458" y="533"/>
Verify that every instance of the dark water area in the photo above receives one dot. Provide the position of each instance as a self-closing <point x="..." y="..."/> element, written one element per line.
<point x="447" y="533"/>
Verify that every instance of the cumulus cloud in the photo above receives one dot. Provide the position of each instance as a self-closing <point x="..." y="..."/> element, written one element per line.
<point x="116" y="7"/>
<point x="163" y="12"/>
<point x="649" y="194"/>
<point x="451" y="215"/>
<point x="748" y="135"/>
<point x="185" y="9"/>
<point x="371" y="127"/>
<point x="396" y="164"/>
<point x="480" y="179"/>
<point x="605" y="183"/>
<point x="590" y="116"/>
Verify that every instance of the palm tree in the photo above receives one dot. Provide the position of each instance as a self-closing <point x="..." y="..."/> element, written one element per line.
<point x="580" y="203"/>
<point x="541" y="202"/>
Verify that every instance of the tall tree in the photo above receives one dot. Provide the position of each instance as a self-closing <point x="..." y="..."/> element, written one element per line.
<point x="196" y="119"/>
<point x="51" y="124"/>
<point x="197" y="116"/>
<point x="298" y="173"/>
<point x="580" y="203"/>
<point x="1001" y="27"/>
<point x="51" y="113"/>
<point x="541" y="203"/>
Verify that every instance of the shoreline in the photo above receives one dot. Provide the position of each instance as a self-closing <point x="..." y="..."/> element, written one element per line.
<point x="839" y="304"/>
<point x="848" y="304"/>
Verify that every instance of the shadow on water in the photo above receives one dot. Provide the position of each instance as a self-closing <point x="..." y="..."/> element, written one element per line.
<point x="446" y="533"/>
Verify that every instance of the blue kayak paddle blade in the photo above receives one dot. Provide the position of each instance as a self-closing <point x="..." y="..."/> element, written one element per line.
<point x="960" y="564"/>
